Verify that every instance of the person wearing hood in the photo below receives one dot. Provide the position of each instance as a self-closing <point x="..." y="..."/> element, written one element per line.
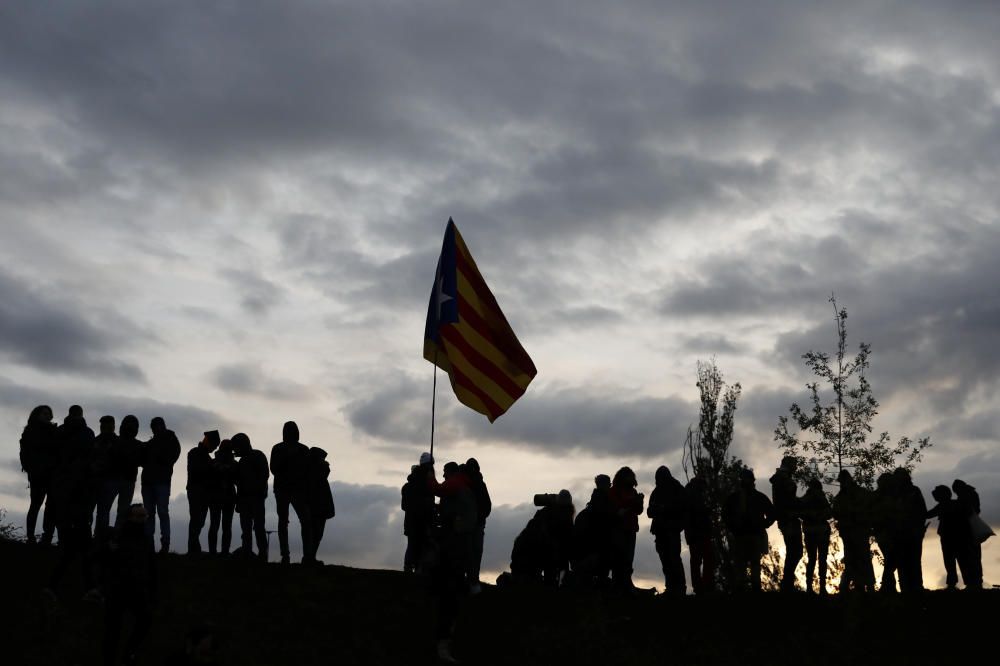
<point x="321" y="504"/>
<point x="628" y="504"/>
<point x="909" y="531"/>
<point x="698" y="534"/>
<point x="747" y="513"/>
<point x="104" y="487"/>
<point x="668" y="512"/>
<point x="222" y="498"/>
<point x="852" y="511"/>
<point x="956" y="538"/>
<point x="124" y="467"/>
<point x="251" y="491"/>
<point x="39" y="457"/>
<point x="158" y="458"/>
<point x="200" y="480"/>
<point x="290" y="467"/>
<point x="786" y="512"/>
<point x="483" y="507"/>
<point x="816" y="514"/>
<point x="417" y="503"/>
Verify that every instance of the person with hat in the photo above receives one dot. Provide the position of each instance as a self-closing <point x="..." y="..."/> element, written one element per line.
<point x="200" y="483"/>
<point x="251" y="490"/>
<point x="747" y="513"/>
<point x="417" y="502"/>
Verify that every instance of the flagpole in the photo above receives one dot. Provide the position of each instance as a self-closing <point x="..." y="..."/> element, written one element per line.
<point x="434" y="399"/>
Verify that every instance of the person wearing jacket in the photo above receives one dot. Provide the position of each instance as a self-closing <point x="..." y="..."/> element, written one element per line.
<point x="200" y="480"/>
<point x="222" y="498"/>
<point x="251" y="491"/>
<point x="483" y="507"/>
<point x="956" y="539"/>
<point x="104" y="488"/>
<point x="628" y="504"/>
<point x="130" y="586"/>
<point x="289" y="465"/>
<point x="909" y="531"/>
<point x="698" y="534"/>
<point x="968" y="499"/>
<point x="786" y="512"/>
<point x="39" y="457"/>
<point x="417" y="503"/>
<point x="747" y="513"/>
<point x="852" y="511"/>
<point x="123" y="468"/>
<point x="668" y="512"/>
<point x="158" y="457"/>
<point x="321" y="506"/>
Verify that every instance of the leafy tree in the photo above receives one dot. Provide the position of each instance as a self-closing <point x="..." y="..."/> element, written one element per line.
<point x="8" y="531"/>
<point x="706" y="455"/>
<point x="834" y="436"/>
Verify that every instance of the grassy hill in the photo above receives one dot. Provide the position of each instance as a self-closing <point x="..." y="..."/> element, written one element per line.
<point x="273" y="615"/>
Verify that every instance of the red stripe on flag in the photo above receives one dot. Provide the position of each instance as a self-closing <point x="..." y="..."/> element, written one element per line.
<point x="465" y="382"/>
<point x="481" y="363"/>
<point x="507" y="345"/>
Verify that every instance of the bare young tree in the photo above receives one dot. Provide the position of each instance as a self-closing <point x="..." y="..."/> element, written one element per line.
<point x="706" y="455"/>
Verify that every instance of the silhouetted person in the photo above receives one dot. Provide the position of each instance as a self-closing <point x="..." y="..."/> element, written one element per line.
<point x="130" y="586"/>
<point x="698" y="534"/>
<point x="105" y="487"/>
<point x="852" y="511"/>
<point x="72" y="496"/>
<point x="289" y="465"/>
<point x="124" y="461"/>
<point x="816" y="514"/>
<point x="886" y="513"/>
<point x="457" y="521"/>
<point x="222" y="498"/>
<point x="321" y="506"/>
<point x="628" y="504"/>
<point x="200" y="483"/>
<point x="956" y="538"/>
<point x="747" y="513"/>
<point x="542" y="550"/>
<point x="968" y="499"/>
<point x="593" y="531"/>
<point x="251" y="491"/>
<point x="668" y="512"/>
<point x="908" y="531"/>
<point x="39" y="458"/>
<point x="158" y="458"/>
<point x="786" y="512"/>
<point x="483" y="507"/>
<point x="417" y="503"/>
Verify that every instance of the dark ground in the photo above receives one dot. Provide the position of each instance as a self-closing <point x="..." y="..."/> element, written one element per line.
<point x="272" y="615"/>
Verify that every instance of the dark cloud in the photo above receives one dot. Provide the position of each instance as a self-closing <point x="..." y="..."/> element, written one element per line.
<point x="251" y="379"/>
<point x="258" y="295"/>
<point x="47" y="333"/>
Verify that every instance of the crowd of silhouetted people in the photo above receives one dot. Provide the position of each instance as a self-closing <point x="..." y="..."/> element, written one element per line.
<point x="77" y="476"/>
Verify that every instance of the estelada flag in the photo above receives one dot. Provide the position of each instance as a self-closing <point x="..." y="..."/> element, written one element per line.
<point x="468" y="336"/>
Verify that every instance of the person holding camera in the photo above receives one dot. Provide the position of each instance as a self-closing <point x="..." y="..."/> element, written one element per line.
<point x="628" y="504"/>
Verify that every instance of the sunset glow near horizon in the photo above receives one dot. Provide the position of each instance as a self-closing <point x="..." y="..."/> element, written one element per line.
<point x="230" y="216"/>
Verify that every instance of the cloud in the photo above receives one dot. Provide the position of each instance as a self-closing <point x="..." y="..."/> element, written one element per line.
<point x="42" y="332"/>
<point x="258" y="294"/>
<point x="250" y="379"/>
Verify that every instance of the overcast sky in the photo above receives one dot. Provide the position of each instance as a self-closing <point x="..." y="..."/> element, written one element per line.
<point x="229" y="214"/>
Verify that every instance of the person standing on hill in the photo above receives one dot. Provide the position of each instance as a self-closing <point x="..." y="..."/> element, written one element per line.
<point x="251" y="491"/>
<point x="747" y="513"/>
<point x="130" y="585"/>
<point x="956" y="538"/>
<point x="290" y="465"/>
<point x="417" y="502"/>
<point x="852" y="511"/>
<point x="483" y="507"/>
<point x="124" y="466"/>
<point x="222" y="498"/>
<point x="668" y="512"/>
<point x="816" y="514"/>
<point x="104" y="486"/>
<point x="200" y="481"/>
<point x="786" y="512"/>
<point x="39" y="457"/>
<point x="698" y="534"/>
<point x="968" y="499"/>
<point x="159" y="455"/>
<point x="321" y="506"/>
<point x="909" y="531"/>
<point x="628" y="504"/>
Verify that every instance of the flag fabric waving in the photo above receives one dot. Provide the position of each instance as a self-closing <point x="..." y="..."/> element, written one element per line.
<point x="468" y="336"/>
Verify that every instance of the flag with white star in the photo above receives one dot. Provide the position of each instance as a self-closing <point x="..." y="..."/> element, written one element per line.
<point x="468" y="337"/>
